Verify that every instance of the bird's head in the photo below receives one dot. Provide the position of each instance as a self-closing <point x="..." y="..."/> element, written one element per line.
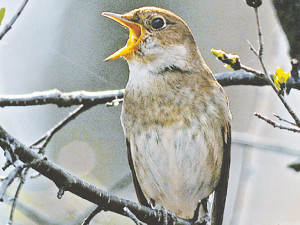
<point x="156" y="36"/>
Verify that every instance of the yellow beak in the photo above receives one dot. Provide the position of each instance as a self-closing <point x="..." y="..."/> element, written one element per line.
<point x="136" y="31"/>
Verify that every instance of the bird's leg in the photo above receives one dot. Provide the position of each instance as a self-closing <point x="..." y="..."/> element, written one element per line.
<point x="204" y="219"/>
<point x="166" y="213"/>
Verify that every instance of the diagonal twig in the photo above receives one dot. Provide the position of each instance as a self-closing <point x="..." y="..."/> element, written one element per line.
<point x="275" y="124"/>
<point x="259" y="54"/>
<point x="88" y="219"/>
<point x="46" y="139"/>
<point x="10" y="178"/>
<point x="50" y="133"/>
<point x="284" y="120"/>
<point x="31" y="213"/>
<point x="132" y="216"/>
<point x="121" y="184"/>
<point x="13" y="19"/>
<point x="14" y="203"/>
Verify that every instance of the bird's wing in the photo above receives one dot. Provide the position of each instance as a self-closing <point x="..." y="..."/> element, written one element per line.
<point x="221" y="190"/>
<point x="140" y="195"/>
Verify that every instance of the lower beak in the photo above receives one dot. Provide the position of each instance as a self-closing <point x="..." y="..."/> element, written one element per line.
<point x="136" y="32"/>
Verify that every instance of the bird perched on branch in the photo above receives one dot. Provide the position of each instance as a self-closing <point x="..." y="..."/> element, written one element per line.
<point x="175" y="116"/>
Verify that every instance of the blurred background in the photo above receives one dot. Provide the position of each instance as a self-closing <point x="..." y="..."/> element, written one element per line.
<point x="62" y="44"/>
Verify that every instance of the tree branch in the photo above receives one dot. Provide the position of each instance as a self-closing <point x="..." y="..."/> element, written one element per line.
<point x="61" y="99"/>
<point x="88" y="219"/>
<point x="50" y="133"/>
<point x="68" y="182"/>
<point x="31" y="213"/>
<point x="9" y="179"/>
<point x="88" y="98"/>
<point x="13" y="20"/>
<point x="275" y="124"/>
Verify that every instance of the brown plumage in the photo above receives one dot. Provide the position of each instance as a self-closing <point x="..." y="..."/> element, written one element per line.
<point x="175" y="116"/>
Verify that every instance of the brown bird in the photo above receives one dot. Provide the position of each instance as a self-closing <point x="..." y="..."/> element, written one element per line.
<point x="175" y="116"/>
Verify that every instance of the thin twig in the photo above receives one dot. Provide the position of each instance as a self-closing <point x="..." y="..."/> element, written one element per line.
<point x="132" y="216"/>
<point x="266" y="76"/>
<point x="260" y="41"/>
<point x="284" y="120"/>
<point x="50" y="133"/>
<point x="9" y="179"/>
<point x="14" y="203"/>
<point x="91" y="216"/>
<point x="251" y="70"/>
<point x="120" y="184"/>
<point x="289" y="109"/>
<point x="46" y="138"/>
<point x="31" y="213"/>
<point x="275" y="124"/>
<point x="252" y="48"/>
<point x="13" y="20"/>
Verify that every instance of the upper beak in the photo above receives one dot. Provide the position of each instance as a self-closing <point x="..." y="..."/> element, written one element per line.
<point x="136" y="31"/>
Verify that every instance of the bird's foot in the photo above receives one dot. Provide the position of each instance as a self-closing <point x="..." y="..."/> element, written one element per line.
<point x="165" y="214"/>
<point x="204" y="220"/>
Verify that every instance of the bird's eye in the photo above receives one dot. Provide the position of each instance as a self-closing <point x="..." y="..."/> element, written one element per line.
<point x="158" y="23"/>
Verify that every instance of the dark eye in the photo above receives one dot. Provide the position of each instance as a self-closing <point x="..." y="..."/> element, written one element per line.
<point x="158" y="23"/>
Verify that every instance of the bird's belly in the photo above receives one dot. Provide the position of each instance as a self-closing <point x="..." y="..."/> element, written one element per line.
<point x="177" y="166"/>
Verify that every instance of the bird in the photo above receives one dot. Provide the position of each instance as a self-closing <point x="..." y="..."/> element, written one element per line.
<point x="175" y="117"/>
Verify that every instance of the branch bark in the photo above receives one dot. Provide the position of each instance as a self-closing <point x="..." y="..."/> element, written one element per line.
<point x="68" y="182"/>
<point x="13" y="19"/>
<point x="102" y="97"/>
<point x="61" y="99"/>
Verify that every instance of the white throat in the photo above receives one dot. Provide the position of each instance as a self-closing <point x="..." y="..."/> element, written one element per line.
<point x="141" y="73"/>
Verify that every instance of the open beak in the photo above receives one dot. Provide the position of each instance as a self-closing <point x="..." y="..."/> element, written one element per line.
<point x="136" y="32"/>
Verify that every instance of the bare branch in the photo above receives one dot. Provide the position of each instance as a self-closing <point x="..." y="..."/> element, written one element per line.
<point x="13" y="20"/>
<point x="68" y="182"/>
<point x="49" y="134"/>
<point x="119" y="185"/>
<point x="14" y="201"/>
<point x="61" y="99"/>
<point x="260" y="41"/>
<point x="102" y="97"/>
<point x="132" y="216"/>
<point x="46" y="139"/>
<point x="9" y="179"/>
<point x="284" y="120"/>
<point x="275" y="124"/>
<point x="266" y="76"/>
<point x="91" y="216"/>
<point x="32" y="213"/>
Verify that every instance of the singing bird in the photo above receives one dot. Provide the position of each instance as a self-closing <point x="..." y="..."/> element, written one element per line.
<point x="175" y="116"/>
